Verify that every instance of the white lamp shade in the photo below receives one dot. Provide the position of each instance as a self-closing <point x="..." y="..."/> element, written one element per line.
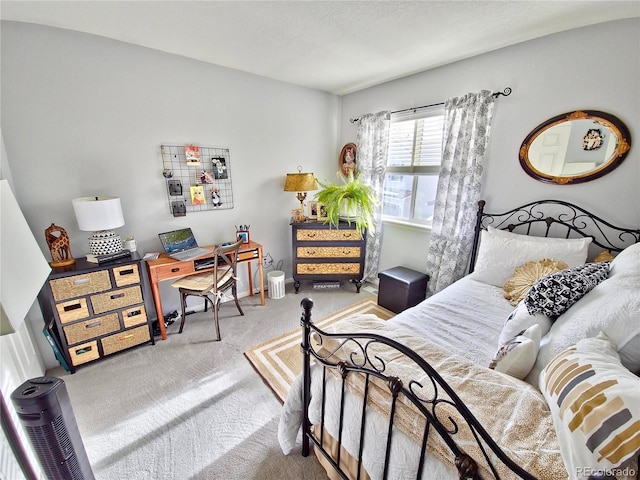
<point x="98" y="213"/>
<point x="23" y="268"/>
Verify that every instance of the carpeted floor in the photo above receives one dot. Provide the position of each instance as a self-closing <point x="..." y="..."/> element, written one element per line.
<point x="278" y="360"/>
<point x="193" y="408"/>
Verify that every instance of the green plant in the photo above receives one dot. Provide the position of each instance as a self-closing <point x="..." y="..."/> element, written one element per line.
<point x="350" y="199"/>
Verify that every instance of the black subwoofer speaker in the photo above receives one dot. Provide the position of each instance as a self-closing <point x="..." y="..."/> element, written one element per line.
<point x="45" y="412"/>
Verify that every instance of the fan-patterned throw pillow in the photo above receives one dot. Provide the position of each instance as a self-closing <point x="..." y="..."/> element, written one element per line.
<point x="554" y="294"/>
<point x="594" y="404"/>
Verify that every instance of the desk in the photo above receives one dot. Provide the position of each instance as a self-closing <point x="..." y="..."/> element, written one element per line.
<point x="165" y="268"/>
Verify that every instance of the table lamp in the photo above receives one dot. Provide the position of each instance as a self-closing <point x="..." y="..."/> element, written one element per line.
<point x="100" y="215"/>
<point x="301" y="183"/>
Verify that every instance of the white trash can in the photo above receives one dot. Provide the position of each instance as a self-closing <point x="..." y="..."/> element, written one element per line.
<point x="275" y="280"/>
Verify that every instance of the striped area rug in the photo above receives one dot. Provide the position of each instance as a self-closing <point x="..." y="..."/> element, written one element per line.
<point x="279" y="360"/>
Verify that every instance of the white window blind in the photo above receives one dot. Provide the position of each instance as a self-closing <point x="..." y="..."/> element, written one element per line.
<point x="413" y="165"/>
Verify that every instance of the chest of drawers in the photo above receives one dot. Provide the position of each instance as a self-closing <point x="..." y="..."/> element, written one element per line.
<point x="96" y="310"/>
<point x="325" y="253"/>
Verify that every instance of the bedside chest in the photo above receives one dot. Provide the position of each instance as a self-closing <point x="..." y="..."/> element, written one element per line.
<point x="325" y="253"/>
<point x="96" y="309"/>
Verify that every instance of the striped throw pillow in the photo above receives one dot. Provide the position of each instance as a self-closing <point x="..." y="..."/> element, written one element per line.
<point x="595" y="404"/>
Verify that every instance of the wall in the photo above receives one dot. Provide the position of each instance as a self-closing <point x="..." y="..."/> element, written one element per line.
<point x="594" y="68"/>
<point x="84" y="115"/>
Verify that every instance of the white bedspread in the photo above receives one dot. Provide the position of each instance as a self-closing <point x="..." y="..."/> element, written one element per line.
<point x="466" y="318"/>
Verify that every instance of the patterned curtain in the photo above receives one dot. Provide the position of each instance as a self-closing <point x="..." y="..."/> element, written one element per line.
<point x="372" y="143"/>
<point x="467" y="122"/>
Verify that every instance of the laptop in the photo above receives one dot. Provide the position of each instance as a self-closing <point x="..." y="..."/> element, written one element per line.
<point x="182" y="245"/>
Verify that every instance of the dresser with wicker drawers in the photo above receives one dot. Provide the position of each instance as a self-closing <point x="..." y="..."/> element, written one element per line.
<point x="324" y="253"/>
<point x="96" y="310"/>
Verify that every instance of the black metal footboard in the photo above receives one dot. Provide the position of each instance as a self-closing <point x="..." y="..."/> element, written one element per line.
<point x="362" y="361"/>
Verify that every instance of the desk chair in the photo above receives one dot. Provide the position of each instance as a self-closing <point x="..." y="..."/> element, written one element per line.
<point x="212" y="285"/>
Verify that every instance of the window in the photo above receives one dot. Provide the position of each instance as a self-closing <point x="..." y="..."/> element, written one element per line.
<point x="413" y="166"/>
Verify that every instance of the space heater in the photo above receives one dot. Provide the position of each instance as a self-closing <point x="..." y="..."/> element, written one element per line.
<point x="44" y="409"/>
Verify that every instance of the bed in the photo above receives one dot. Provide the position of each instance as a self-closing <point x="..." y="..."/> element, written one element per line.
<point x="538" y="380"/>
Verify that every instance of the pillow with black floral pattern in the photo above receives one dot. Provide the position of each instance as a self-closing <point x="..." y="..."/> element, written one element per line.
<point x="554" y="294"/>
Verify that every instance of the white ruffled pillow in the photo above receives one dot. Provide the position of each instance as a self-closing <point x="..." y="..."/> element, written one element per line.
<point x="613" y="307"/>
<point x="501" y="252"/>
<point x="627" y="262"/>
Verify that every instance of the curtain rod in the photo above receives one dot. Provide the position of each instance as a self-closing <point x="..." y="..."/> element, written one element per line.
<point x="506" y="92"/>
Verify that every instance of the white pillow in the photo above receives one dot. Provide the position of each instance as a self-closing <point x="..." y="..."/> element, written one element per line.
<point x="594" y="405"/>
<point x="613" y="307"/>
<point x="520" y="319"/>
<point x="627" y="262"/>
<point x="501" y="252"/>
<point x="518" y="355"/>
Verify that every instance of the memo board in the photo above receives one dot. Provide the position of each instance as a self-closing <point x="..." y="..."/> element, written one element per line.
<point x="197" y="178"/>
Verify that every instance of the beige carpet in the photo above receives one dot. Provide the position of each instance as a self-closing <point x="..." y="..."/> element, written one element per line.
<point x="279" y="360"/>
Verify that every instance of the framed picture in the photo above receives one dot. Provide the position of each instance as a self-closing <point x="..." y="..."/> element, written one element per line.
<point x="348" y="159"/>
<point x="243" y="234"/>
<point x="313" y="209"/>
<point x="322" y="211"/>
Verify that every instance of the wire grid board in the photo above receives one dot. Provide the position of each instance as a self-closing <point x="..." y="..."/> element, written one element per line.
<point x="197" y="178"/>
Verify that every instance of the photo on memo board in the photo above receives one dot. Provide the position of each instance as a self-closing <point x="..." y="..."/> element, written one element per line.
<point x="197" y="195"/>
<point x="192" y="154"/>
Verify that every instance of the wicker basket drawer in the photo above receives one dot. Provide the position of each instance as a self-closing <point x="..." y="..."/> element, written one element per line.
<point x="72" y="310"/>
<point x="126" y="339"/>
<point x="94" y="327"/>
<point x="116" y="299"/>
<point x="84" y="353"/>
<point x="334" y="234"/>
<point x="126" y="275"/>
<point x="134" y="316"/>
<point x="328" y="269"/>
<point x="78" y="285"/>
<point x="328" y="252"/>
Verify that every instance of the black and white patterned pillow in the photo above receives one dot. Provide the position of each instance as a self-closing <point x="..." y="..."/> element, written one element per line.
<point x="554" y="294"/>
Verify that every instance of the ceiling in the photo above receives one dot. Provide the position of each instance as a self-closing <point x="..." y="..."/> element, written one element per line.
<point x="335" y="46"/>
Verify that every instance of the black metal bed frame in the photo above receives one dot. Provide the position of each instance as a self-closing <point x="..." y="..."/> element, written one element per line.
<point x="572" y="220"/>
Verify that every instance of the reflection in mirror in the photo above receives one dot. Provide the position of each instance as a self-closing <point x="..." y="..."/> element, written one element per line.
<point x="575" y="147"/>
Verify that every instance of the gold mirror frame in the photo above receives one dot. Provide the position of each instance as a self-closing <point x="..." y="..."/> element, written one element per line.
<point x="613" y="129"/>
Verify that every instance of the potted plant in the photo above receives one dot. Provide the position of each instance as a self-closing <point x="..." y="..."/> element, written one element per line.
<point x="349" y="199"/>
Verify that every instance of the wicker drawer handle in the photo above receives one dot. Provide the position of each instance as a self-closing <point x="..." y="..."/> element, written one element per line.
<point x="134" y="313"/>
<point x="311" y="252"/>
<point x="82" y="281"/>
<point x="311" y="235"/>
<point x="126" y="272"/>
<point x="82" y="350"/>
<point x="116" y="295"/>
<point x="93" y="325"/>
<point x="347" y="235"/>
<point x="124" y="337"/>
<point x="75" y="306"/>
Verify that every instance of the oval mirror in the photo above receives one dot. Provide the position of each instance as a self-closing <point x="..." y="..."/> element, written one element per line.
<point x="575" y="147"/>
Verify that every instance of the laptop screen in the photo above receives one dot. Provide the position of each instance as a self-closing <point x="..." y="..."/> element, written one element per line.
<point x="177" y="240"/>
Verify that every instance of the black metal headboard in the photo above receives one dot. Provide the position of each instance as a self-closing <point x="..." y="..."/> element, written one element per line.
<point x="554" y="218"/>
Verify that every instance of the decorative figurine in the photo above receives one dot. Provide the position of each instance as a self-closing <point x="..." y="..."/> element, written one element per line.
<point x="58" y="242"/>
